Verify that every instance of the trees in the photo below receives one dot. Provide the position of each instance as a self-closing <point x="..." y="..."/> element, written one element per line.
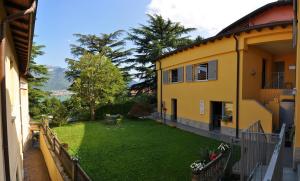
<point x="97" y="81"/>
<point x="158" y="37"/>
<point x="38" y="75"/>
<point x="109" y="45"/>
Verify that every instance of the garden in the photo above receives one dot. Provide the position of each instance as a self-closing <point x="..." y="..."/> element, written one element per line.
<point x="136" y="149"/>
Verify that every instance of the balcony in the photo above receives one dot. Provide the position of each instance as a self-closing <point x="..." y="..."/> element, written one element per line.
<point x="277" y="89"/>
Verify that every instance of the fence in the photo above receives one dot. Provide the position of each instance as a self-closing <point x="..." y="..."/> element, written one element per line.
<point x="70" y="165"/>
<point x="259" y="152"/>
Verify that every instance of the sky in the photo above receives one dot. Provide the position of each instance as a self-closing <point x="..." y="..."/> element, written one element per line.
<point x="58" y="20"/>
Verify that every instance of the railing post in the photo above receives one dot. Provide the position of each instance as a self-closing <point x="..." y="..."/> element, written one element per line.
<point x="53" y="144"/>
<point x="242" y="157"/>
<point x="75" y="169"/>
<point x="45" y="129"/>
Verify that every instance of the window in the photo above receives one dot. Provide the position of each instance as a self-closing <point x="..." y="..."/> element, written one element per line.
<point x="174" y="75"/>
<point x="227" y="111"/>
<point x="201" y="72"/>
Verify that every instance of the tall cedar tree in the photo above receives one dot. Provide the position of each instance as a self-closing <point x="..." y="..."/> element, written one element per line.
<point x="97" y="83"/>
<point x="38" y="76"/>
<point x="109" y="45"/>
<point x="158" y="37"/>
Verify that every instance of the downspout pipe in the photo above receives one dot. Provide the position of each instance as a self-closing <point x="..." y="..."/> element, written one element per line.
<point x="4" y="119"/>
<point x="161" y="104"/>
<point x="237" y="83"/>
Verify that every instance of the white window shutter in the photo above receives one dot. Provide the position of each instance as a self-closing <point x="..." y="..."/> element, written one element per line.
<point x="189" y="73"/>
<point x="213" y="70"/>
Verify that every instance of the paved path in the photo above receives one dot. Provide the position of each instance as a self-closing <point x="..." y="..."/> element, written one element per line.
<point x="210" y="134"/>
<point x="35" y="168"/>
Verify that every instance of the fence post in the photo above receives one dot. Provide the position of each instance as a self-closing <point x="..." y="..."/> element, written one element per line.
<point x="75" y="169"/>
<point x="242" y="157"/>
<point x="53" y="144"/>
<point x="45" y="128"/>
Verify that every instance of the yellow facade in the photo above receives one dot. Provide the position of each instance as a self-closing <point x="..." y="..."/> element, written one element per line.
<point x="297" y="108"/>
<point x="255" y="102"/>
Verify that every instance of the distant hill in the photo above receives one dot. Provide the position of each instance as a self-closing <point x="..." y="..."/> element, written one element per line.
<point x="57" y="80"/>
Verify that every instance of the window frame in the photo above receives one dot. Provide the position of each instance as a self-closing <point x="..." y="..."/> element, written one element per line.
<point x="171" y="77"/>
<point x="195" y="72"/>
<point x="224" y="111"/>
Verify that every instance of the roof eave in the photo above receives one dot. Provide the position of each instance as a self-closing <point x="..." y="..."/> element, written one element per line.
<point x="227" y="34"/>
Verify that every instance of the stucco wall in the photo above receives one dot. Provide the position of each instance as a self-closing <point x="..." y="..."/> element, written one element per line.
<point x="252" y="72"/>
<point x="25" y="111"/>
<point x="13" y="111"/>
<point x="189" y="94"/>
<point x="13" y="115"/>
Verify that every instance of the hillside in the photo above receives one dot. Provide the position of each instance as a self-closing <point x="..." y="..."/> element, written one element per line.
<point x="57" y="80"/>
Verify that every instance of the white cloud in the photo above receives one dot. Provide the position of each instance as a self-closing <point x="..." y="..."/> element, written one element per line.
<point x="209" y="17"/>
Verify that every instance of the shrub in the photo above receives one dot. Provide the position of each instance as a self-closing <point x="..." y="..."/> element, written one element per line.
<point x="140" y="110"/>
<point x="60" y="115"/>
<point x="121" y="108"/>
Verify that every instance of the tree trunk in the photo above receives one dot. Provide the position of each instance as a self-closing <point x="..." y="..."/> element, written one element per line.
<point x="92" y="112"/>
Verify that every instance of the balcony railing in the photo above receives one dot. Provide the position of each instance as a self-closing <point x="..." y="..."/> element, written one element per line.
<point x="278" y="82"/>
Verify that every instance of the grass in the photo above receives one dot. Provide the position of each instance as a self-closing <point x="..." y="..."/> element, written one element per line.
<point x="136" y="150"/>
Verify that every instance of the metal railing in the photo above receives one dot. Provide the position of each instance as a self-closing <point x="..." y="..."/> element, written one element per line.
<point x="257" y="153"/>
<point x="70" y="165"/>
<point x="275" y="168"/>
<point x="276" y="82"/>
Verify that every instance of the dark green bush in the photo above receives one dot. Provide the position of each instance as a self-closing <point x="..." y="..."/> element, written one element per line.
<point x="120" y="108"/>
<point x="140" y="110"/>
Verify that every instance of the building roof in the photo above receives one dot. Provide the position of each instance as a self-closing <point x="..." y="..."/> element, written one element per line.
<point x="232" y="29"/>
<point x="21" y="30"/>
<point x="244" y="21"/>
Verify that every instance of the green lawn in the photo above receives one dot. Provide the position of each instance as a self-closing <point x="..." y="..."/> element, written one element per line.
<point x="136" y="150"/>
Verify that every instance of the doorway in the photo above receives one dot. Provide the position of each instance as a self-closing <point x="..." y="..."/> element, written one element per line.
<point x="174" y="110"/>
<point x="216" y="115"/>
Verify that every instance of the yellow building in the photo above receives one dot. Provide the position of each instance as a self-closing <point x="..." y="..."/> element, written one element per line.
<point x="297" y="101"/>
<point x="16" y="34"/>
<point x="246" y="73"/>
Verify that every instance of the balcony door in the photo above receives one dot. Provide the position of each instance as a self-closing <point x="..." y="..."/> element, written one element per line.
<point x="278" y="75"/>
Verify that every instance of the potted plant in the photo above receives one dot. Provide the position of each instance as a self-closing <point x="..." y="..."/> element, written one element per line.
<point x="226" y="119"/>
